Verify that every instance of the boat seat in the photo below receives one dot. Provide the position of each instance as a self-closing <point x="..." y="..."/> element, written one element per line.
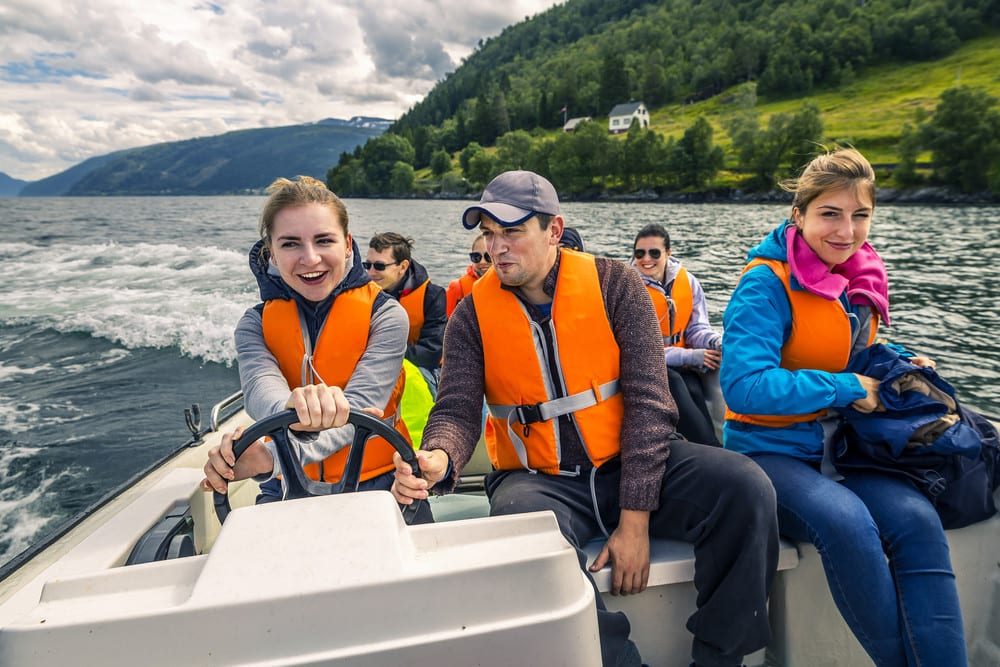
<point x="658" y="616"/>
<point x="171" y="537"/>
<point x="671" y="561"/>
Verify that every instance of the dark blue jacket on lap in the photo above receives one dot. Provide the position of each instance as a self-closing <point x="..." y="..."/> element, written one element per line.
<point x="921" y="412"/>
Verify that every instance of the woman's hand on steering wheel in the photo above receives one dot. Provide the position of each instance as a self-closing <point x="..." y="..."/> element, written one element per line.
<point x="318" y="407"/>
<point x="226" y="461"/>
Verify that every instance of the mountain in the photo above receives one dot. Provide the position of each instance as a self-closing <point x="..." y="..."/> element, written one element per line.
<point x="359" y="121"/>
<point x="234" y="162"/>
<point x="60" y="184"/>
<point x="10" y="187"/>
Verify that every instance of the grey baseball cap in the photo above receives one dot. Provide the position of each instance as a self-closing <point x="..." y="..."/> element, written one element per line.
<point x="512" y="198"/>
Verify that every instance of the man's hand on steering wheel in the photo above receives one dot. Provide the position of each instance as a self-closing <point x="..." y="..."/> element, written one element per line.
<point x="223" y="467"/>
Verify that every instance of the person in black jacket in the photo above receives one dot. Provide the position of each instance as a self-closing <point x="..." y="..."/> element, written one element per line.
<point x="391" y="266"/>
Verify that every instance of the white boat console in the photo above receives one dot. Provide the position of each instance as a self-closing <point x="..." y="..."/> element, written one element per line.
<point x="336" y="580"/>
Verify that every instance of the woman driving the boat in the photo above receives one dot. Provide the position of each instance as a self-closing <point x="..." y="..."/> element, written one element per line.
<point x="811" y="296"/>
<point x="308" y="269"/>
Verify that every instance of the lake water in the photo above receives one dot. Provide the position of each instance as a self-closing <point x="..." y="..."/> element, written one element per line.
<point x="117" y="313"/>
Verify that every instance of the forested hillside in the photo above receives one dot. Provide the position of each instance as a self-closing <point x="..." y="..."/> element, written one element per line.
<point x="729" y="58"/>
<point x="589" y="55"/>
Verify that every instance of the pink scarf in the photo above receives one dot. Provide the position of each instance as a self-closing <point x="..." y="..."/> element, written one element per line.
<point x="863" y="275"/>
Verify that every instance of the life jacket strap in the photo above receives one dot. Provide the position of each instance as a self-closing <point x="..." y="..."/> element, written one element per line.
<point x="539" y="412"/>
<point x="670" y="341"/>
<point x="557" y="407"/>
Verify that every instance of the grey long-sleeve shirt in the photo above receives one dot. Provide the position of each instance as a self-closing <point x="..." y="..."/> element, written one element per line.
<point x="266" y="391"/>
<point x="650" y="411"/>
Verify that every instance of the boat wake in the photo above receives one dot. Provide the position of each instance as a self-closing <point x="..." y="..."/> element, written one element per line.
<point x="145" y="295"/>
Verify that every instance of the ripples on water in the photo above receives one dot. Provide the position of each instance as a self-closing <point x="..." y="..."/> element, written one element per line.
<point x="117" y="313"/>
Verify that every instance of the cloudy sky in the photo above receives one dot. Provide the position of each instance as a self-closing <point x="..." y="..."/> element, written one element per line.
<point x="80" y="78"/>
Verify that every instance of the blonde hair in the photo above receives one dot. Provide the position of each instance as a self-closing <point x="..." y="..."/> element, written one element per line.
<point x="835" y="170"/>
<point x="305" y="190"/>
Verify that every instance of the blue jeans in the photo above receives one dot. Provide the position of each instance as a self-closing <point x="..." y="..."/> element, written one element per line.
<point x="885" y="555"/>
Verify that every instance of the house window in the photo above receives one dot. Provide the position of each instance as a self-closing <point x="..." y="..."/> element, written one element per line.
<point x="614" y="122"/>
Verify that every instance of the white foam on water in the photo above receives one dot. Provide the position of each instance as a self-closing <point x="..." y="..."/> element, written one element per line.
<point x="18" y="416"/>
<point x="12" y="373"/>
<point x="106" y="358"/>
<point x="22" y="516"/>
<point x="144" y="295"/>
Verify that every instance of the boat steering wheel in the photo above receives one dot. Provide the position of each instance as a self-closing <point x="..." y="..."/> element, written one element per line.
<point x="297" y="484"/>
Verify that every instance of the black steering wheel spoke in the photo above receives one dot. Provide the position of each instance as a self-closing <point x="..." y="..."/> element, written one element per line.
<point x="296" y="483"/>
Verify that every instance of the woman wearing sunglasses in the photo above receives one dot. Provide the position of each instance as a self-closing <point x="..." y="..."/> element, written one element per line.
<point x="480" y="262"/>
<point x="691" y="347"/>
<point x="308" y="270"/>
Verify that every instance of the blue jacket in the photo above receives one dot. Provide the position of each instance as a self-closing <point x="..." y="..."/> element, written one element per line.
<point x="926" y="401"/>
<point x="756" y="324"/>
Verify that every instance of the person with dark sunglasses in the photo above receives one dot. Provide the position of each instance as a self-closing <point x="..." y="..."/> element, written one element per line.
<point x="692" y="349"/>
<point x="480" y="262"/>
<point x="390" y="264"/>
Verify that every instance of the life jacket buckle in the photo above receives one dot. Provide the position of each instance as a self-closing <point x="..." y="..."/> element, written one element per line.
<point x="529" y="414"/>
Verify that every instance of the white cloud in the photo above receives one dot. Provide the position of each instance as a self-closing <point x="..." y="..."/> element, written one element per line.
<point x="79" y="80"/>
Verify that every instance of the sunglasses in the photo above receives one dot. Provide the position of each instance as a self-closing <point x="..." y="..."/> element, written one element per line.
<point x="378" y="266"/>
<point x="476" y="257"/>
<point x="654" y="253"/>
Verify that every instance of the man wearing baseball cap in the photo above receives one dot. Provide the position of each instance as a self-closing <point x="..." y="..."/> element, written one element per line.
<point x="567" y="351"/>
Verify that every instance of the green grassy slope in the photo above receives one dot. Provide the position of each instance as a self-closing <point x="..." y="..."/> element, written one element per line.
<point x="868" y="113"/>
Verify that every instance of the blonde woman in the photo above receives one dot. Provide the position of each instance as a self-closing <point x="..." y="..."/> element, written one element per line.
<point x="813" y="293"/>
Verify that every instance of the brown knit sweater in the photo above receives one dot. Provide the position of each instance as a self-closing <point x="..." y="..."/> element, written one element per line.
<point x="650" y="411"/>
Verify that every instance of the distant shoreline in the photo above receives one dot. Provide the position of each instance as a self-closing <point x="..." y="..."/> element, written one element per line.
<point x="923" y="196"/>
<point x="917" y="196"/>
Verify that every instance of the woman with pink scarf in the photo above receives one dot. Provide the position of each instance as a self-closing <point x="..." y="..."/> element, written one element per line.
<point x="813" y="293"/>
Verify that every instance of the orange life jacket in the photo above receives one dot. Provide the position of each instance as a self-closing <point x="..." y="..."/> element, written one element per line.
<point x="820" y="340"/>
<point x="683" y="297"/>
<point x="459" y="288"/>
<point x="413" y="302"/>
<point x="333" y="361"/>
<point x="524" y="405"/>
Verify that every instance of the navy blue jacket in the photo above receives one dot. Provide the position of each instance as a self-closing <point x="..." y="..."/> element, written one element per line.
<point x="909" y="410"/>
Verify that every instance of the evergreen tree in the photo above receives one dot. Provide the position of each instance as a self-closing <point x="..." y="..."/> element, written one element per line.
<point x="694" y="158"/>
<point x="614" y="87"/>
<point x="423" y="146"/>
<point x="788" y="140"/>
<point x="380" y="156"/>
<point x="440" y="162"/>
<point x="482" y="168"/>
<point x="465" y="157"/>
<point x="644" y="157"/>
<point x="905" y="173"/>
<point x="743" y="125"/>
<point x="401" y="178"/>
<point x="513" y="150"/>
<point x="964" y="138"/>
